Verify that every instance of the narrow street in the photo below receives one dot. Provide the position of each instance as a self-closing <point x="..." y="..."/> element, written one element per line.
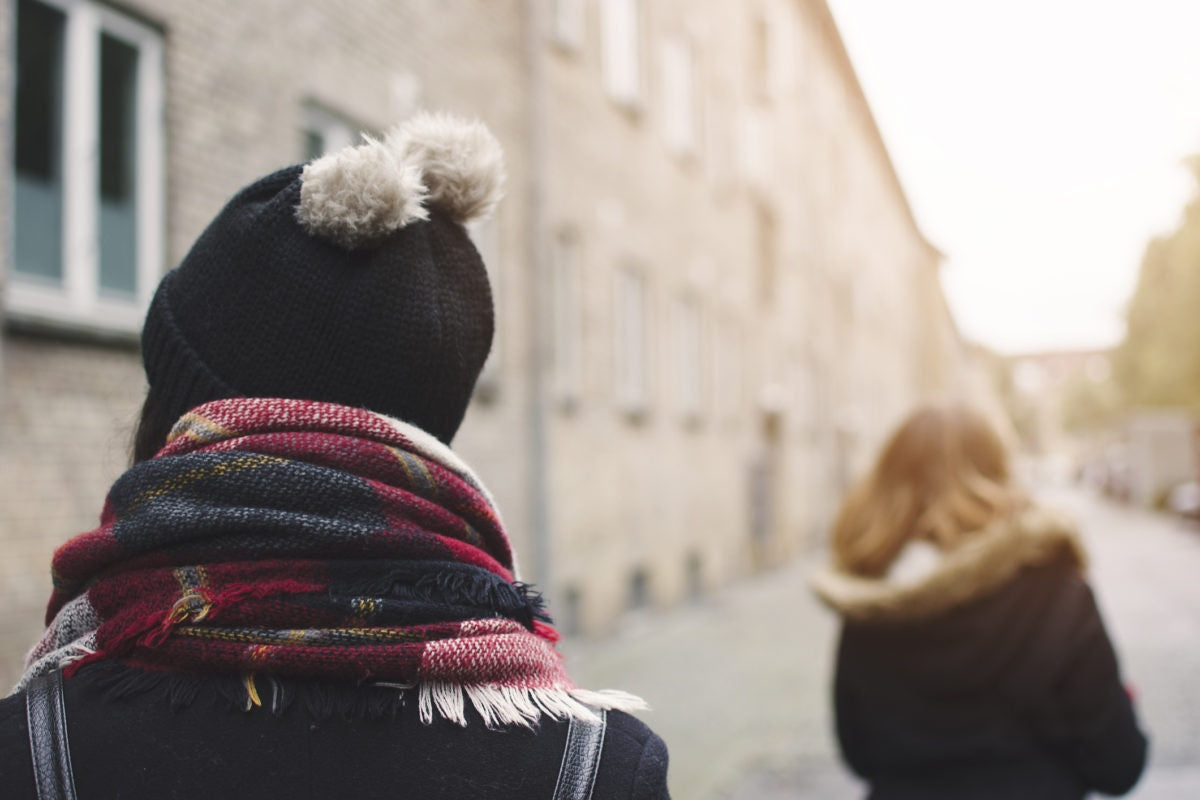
<point x="1145" y="571"/>
<point x="739" y="682"/>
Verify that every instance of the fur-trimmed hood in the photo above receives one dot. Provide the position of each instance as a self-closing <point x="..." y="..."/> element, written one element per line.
<point x="984" y="562"/>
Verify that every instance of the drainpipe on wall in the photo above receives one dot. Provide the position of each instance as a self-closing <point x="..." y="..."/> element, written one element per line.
<point x="538" y="280"/>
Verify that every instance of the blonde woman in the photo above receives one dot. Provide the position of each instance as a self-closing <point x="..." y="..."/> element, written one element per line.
<point x="973" y="662"/>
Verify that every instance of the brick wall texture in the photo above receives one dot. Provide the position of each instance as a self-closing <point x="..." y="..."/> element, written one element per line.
<point x="841" y="342"/>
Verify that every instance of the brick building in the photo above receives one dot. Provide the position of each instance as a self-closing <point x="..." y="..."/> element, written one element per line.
<point x="712" y="296"/>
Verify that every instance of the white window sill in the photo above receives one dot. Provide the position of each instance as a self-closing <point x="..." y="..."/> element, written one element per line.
<point x="632" y="105"/>
<point x="43" y="308"/>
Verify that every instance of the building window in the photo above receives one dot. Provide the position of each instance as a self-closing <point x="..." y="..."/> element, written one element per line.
<point x="631" y="344"/>
<point x="639" y="589"/>
<point x="567" y="342"/>
<point x="773" y="52"/>
<point x="405" y="100"/>
<point x="719" y="139"/>
<point x="679" y="96"/>
<point x="326" y="132"/>
<point x="728" y="373"/>
<point x="808" y="407"/>
<point x="689" y="358"/>
<point x="694" y="576"/>
<point x="569" y="23"/>
<point x="485" y="235"/>
<point x="763" y="54"/>
<point x="621" y="56"/>
<point x="570" y="617"/>
<point x="753" y="146"/>
<point x="88" y="173"/>
<point x="766" y="250"/>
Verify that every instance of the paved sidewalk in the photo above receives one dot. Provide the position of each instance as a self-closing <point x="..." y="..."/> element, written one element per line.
<point x="1144" y="571"/>
<point x="739" y="686"/>
<point x="740" y="682"/>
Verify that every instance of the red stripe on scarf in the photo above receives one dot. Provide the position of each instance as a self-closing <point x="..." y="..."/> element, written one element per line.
<point x="236" y="613"/>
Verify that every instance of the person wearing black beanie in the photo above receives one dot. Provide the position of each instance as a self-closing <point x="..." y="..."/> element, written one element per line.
<point x="298" y="588"/>
<point x="351" y="279"/>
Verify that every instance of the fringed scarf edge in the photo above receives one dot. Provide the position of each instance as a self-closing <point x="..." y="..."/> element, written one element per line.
<point x="71" y="642"/>
<point x="497" y="705"/>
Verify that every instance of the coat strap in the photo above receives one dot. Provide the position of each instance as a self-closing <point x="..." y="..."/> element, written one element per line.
<point x="581" y="757"/>
<point x="48" y="745"/>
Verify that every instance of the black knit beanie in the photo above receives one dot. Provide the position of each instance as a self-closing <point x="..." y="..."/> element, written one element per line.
<point x="350" y="279"/>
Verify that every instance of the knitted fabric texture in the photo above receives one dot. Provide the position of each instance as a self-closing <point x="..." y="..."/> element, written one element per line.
<point x="394" y="315"/>
<point x="298" y="539"/>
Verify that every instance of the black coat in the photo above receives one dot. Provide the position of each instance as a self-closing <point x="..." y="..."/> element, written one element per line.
<point x="1011" y="691"/>
<point x="136" y="746"/>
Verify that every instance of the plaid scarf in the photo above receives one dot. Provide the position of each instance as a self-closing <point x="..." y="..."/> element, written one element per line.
<point x="296" y="539"/>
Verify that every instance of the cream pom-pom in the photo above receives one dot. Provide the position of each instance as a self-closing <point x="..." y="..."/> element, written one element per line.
<point x="461" y="163"/>
<point x="357" y="196"/>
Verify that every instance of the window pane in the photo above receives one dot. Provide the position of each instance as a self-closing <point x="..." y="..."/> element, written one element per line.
<point x="620" y="53"/>
<point x="568" y="22"/>
<point x="118" y="165"/>
<point x="689" y="356"/>
<point x="631" y="366"/>
<point x="566" y="343"/>
<point x="39" y="187"/>
<point x="485" y="235"/>
<point x="314" y="145"/>
<point x="679" y="102"/>
<point x="326" y="132"/>
<point x="639" y="589"/>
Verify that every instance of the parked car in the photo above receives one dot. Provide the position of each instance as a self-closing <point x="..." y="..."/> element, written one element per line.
<point x="1184" y="500"/>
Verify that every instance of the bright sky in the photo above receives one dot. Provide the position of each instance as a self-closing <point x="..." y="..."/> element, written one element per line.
<point x="1040" y="143"/>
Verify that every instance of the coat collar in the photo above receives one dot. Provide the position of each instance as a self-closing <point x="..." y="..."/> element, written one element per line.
<point x="983" y="563"/>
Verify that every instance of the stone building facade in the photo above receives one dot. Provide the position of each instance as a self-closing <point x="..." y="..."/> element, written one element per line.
<point x="747" y="219"/>
<point x="712" y="296"/>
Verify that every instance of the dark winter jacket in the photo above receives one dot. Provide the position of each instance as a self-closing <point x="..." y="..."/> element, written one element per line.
<point x="991" y="676"/>
<point x="136" y="746"/>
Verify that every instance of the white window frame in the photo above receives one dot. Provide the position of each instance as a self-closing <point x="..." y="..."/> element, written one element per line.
<point x="404" y="96"/>
<point x="679" y="96"/>
<point x="807" y="379"/>
<point x="774" y="34"/>
<point x="79" y="303"/>
<point x="569" y="23"/>
<point x="632" y="339"/>
<point x="336" y="131"/>
<point x="754" y="146"/>
<point x="729" y="374"/>
<point x="567" y="318"/>
<point x="485" y="235"/>
<point x="621" y="56"/>
<point x="784" y="77"/>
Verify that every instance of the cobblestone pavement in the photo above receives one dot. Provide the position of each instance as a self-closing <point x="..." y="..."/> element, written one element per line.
<point x="739" y="683"/>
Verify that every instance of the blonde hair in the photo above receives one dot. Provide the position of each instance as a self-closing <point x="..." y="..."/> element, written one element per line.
<point x="944" y="473"/>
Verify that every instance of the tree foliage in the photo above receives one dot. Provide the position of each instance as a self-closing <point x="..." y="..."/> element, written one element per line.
<point x="1089" y="404"/>
<point x="1158" y="364"/>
